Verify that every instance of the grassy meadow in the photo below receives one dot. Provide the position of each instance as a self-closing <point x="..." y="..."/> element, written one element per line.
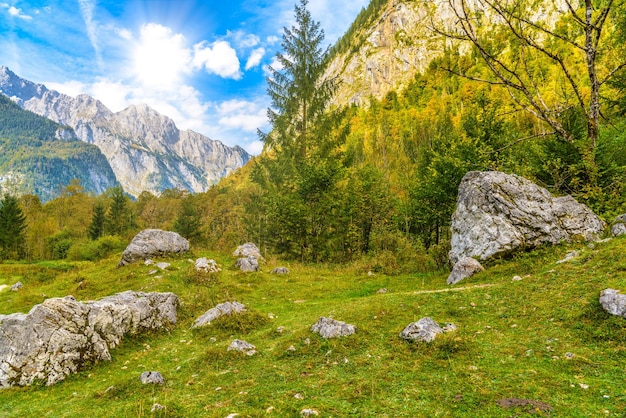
<point x="540" y="345"/>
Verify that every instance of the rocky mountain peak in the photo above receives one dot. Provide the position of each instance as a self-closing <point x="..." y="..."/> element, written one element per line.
<point x="17" y="88"/>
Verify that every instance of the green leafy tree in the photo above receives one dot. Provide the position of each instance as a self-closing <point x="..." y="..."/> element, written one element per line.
<point x="96" y="227"/>
<point x="12" y="227"/>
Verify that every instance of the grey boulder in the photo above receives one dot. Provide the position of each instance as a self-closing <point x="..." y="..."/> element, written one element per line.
<point x="330" y="328"/>
<point x="153" y="243"/>
<point x="221" y="309"/>
<point x="613" y="302"/>
<point x="424" y="330"/>
<point x="61" y="336"/>
<point x="500" y="213"/>
<point x="248" y="249"/>
<point x="153" y="378"/>
<point x="464" y="268"/>
<point x="248" y="264"/>
<point x="619" y="226"/>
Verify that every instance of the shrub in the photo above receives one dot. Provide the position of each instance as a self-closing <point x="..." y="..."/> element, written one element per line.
<point x="95" y="250"/>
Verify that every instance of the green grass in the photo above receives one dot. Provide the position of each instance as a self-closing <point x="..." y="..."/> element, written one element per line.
<point x="513" y="341"/>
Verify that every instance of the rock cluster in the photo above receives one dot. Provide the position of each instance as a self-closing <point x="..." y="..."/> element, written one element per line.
<point x="60" y="336"/>
<point x="498" y="213"/>
<point x="243" y="347"/>
<point x="153" y="243"/>
<point x="204" y="265"/>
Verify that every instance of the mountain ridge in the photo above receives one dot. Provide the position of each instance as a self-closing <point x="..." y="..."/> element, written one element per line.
<point x="145" y="149"/>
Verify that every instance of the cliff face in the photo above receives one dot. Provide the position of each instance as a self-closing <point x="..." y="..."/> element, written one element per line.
<point x="397" y="46"/>
<point x="144" y="148"/>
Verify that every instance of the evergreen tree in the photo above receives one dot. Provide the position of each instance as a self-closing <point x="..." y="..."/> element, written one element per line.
<point x="96" y="227"/>
<point x="188" y="223"/>
<point x="300" y="168"/>
<point x="120" y="217"/>
<point x="12" y="226"/>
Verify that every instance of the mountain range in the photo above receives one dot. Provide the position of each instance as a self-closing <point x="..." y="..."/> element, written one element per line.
<point x="144" y="149"/>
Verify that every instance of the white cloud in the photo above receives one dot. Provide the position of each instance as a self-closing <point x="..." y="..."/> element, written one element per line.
<point x="124" y="33"/>
<point x="242" y="39"/>
<point x="255" y="58"/>
<point x="255" y="147"/>
<point x="242" y="114"/>
<point x="218" y="58"/>
<point x="86" y="12"/>
<point x="161" y="57"/>
<point x="15" y="12"/>
<point x="272" y="39"/>
<point x="71" y="88"/>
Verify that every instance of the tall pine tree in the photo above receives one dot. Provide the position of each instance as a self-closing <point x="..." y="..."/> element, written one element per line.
<point x="96" y="227"/>
<point x="12" y="226"/>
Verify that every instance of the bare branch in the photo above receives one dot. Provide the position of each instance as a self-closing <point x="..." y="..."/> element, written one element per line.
<point x="612" y="73"/>
<point x="517" y="141"/>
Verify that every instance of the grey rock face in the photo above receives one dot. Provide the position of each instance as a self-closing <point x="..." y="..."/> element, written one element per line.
<point x="248" y="250"/>
<point x="464" y="268"/>
<point x="248" y="264"/>
<point x="330" y="328"/>
<point x="619" y="225"/>
<point x="424" y="330"/>
<point x="613" y="302"/>
<point x="145" y="149"/>
<point x="221" y="309"/>
<point x="151" y="243"/>
<point x="153" y="378"/>
<point x="61" y="336"/>
<point x="243" y="347"/>
<point x="498" y="213"/>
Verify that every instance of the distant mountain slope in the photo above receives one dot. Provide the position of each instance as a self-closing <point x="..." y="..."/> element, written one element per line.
<point x="144" y="148"/>
<point x="39" y="156"/>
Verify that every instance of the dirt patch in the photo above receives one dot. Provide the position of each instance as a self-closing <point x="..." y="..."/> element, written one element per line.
<point x="452" y="289"/>
<point x="529" y="405"/>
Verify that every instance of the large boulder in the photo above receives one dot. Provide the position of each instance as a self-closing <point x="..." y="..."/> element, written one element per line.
<point x="153" y="243"/>
<point x="248" y="250"/>
<point x="248" y="264"/>
<point x="61" y="336"/>
<point x="499" y="213"/>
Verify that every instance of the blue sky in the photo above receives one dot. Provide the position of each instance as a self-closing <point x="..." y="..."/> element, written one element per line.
<point x="202" y="63"/>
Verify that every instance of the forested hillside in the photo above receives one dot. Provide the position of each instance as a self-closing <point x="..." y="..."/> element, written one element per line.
<point x="39" y="156"/>
<point x="376" y="184"/>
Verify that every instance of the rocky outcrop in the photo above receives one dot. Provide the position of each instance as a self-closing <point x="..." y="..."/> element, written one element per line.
<point x="153" y="243"/>
<point x="221" y="309"/>
<point x="204" y="265"/>
<point x="464" y="268"/>
<point x="61" y="336"/>
<point x="144" y="148"/>
<point x="613" y="302"/>
<point x="500" y="213"/>
<point x="330" y="328"/>
<point x="247" y="264"/>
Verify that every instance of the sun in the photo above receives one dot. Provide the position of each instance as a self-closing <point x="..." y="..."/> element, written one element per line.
<point x="160" y="57"/>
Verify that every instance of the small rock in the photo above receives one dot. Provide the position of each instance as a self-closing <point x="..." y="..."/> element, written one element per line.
<point x="163" y="265"/>
<point x="516" y="278"/>
<point x="619" y="225"/>
<point x="307" y="341"/>
<point x="148" y="262"/>
<point x="269" y="409"/>
<point x="309" y="413"/>
<point x="204" y="265"/>
<point x="17" y="286"/>
<point x="280" y="329"/>
<point x="464" y="268"/>
<point x="426" y="329"/>
<point x="583" y="386"/>
<point x="221" y="309"/>
<point x="151" y="272"/>
<point x="291" y="348"/>
<point x="280" y="270"/>
<point x="157" y="407"/>
<point x="298" y="396"/>
<point x="449" y="327"/>
<point x="154" y="378"/>
<point x="569" y="355"/>
<point x="568" y="257"/>
<point x="382" y="291"/>
<point x="243" y="347"/>
<point x="233" y="415"/>
<point x="330" y="328"/>
<point x="613" y="302"/>
<point x="370" y="274"/>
